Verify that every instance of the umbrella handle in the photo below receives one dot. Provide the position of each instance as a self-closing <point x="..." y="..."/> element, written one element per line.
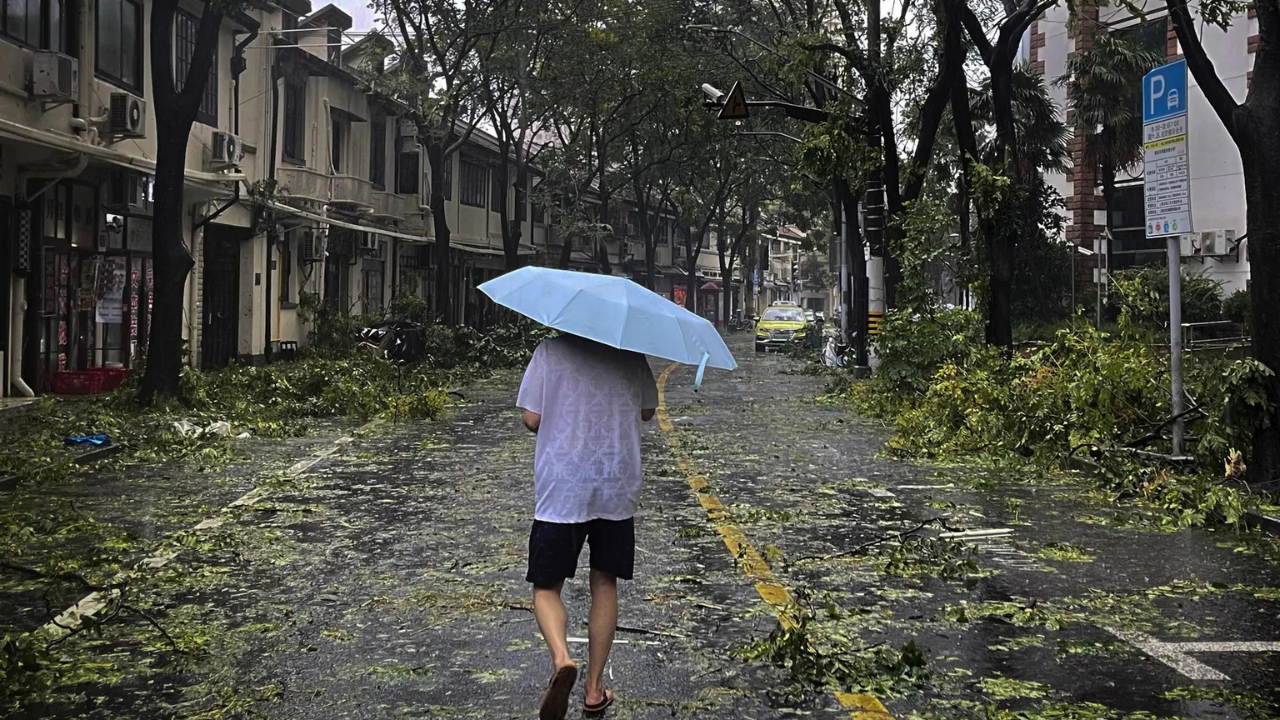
<point x="702" y="368"/>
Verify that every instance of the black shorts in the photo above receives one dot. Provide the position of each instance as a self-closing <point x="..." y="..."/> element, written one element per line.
<point x="554" y="549"/>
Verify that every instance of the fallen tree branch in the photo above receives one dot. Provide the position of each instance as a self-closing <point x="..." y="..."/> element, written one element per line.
<point x="154" y="623"/>
<point x="64" y="576"/>
<point x="898" y="536"/>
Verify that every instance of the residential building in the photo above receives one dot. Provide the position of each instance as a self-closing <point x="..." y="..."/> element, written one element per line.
<point x="1219" y="247"/>
<point x="77" y="146"/>
<point x="305" y="178"/>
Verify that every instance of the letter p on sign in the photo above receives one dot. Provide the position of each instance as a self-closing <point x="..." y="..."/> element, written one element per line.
<point x="1163" y="90"/>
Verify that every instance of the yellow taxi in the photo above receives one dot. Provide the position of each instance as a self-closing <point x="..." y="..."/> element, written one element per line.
<point x="778" y="325"/>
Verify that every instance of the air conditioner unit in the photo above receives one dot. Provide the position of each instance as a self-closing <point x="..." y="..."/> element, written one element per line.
<point x="370" y="243"/>
<point x="54" y="76"/>
<point x="227" y="151"/>
<point x="1208" y="243"/>
<point x="312" y="246"/>
<point x="127" y="192"/>
<point x="128" y="116"/>
<point x="406" y="129"/>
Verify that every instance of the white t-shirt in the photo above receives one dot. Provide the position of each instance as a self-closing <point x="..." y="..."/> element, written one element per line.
<point x="587" y="462"/>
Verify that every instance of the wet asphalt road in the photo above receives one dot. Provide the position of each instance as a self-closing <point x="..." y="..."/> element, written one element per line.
<point x="386" y="581"/>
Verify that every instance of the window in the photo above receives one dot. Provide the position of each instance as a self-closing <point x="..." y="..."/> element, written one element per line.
<point x="522" y="201"/>
<point x="335" y="149"/>
<point x="185" y="29"/>
<point x="448" y="179"/>
<point x="633" y="223"/>
<point x="371" y="284"/>
<point x="378" y="152"/>
<point x="407" y="173"/>
<point x="295" y="119"/>
<point x="22" y="21"/>
<point x="36" y="23"/>
<point x="120" y="42"/>
<point x="539" y="212"/>
<point x="495" y="202"/>
<point x="286" y="267"/>
<point x="474" y="178"/>
<point x="1129" y="230"/>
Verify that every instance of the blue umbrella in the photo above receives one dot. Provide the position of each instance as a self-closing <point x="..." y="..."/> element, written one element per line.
<point x="613" y="311"/>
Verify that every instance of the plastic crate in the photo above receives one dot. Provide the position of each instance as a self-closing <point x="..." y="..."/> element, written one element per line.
<point x="83" y="382"/>
<point x="112" y="378"/>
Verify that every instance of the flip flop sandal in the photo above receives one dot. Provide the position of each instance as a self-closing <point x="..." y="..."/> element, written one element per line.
<point x="555" y="701"/>
<point x="599" y="707"/>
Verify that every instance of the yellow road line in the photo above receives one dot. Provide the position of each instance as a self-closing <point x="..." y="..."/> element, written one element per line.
<point x="753" y="565"/>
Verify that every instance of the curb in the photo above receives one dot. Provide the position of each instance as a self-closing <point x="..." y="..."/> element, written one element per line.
<point x="85" y="458"/>
<point x="1263" y="523"/>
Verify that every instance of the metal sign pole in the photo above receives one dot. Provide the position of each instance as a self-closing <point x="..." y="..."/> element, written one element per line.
<point x="1175" y="339"/>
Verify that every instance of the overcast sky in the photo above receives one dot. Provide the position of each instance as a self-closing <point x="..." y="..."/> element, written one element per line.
<point x="363" y="17"/>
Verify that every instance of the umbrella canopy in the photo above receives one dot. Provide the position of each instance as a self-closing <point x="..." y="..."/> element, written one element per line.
<point x="611" y="310"/>
<point x="711" y="286"/>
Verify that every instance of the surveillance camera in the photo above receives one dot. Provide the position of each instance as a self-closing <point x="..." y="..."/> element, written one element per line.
<point x="711" y="92"/>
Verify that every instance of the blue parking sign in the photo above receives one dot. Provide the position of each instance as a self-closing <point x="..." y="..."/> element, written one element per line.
<point x="1164" y="92"/>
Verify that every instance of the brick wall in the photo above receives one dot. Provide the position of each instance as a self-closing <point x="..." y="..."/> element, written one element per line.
<point x="1083" y="177"/>
<point x="1037" y="44"/>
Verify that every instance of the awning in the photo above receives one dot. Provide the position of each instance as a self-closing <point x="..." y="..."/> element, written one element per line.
<point x="59" y="141"/>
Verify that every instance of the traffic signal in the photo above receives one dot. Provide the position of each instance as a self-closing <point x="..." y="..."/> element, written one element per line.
<point x="795" y="269"/>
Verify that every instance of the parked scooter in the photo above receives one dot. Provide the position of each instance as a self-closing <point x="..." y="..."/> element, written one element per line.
<point x="399" y="341"/>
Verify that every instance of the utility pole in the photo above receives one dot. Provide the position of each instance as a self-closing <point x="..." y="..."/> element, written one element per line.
<point x="873" y="199"/>
<point x="1175" y="337"/>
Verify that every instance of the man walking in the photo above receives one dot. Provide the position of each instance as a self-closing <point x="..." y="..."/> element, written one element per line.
<point x="585" y="401"/>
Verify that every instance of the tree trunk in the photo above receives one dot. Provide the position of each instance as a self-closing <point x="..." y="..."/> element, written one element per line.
<point x="172" y="263"/>
<point x="1000" y="287"/>
<point x="691" y="278"/>
<point x="1262" y="192"/>
<point x="440" y="225"/>
<point x="171" y="257"/>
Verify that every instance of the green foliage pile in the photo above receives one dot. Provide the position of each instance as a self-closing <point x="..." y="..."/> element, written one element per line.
<point x="823" y="653"/>
<point x="337" y="381"/>
<point x="950" y="397"/>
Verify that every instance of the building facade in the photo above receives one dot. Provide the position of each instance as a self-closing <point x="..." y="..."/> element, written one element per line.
<point x="306" y="183"/>
<point x="1219" y="246"/>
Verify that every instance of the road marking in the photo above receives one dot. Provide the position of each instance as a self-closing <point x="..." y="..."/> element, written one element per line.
<point x="880" y="493"/>
<point x="924" y="487"/>
<point x="1169" y="654"/>
<point x="95" y="602"/>
<point x="1250" y="646"/>
<point x="753" y="565"/>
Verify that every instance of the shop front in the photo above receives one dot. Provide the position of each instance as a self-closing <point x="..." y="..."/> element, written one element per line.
<point x="96" y="280"/>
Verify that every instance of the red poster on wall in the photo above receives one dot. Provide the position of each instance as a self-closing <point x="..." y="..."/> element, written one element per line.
<point x="679" y="296"/>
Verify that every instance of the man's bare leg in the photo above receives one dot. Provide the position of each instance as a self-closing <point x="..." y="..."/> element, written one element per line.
<point x="602" y="625"/>
<point x="553" y="620"/>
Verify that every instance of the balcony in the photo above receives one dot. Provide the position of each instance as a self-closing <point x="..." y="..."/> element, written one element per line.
<point x="388" y="207"/>
<point x="303" y="185"/>
<point x="416" y="222"/>
<point x="353" y="192"/>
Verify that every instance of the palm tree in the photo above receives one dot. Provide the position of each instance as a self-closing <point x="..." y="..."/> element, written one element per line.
<point x="1104" y="88"/>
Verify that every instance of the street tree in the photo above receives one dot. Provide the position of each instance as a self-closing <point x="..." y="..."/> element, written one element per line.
<point x="1005" y="190"/>
<point x="704" y="184"/>
<point x="1254" y="126"/>
<point x="438" y="74"/>
<point x="179" y="98"/>
<point x="513" y="86"/>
